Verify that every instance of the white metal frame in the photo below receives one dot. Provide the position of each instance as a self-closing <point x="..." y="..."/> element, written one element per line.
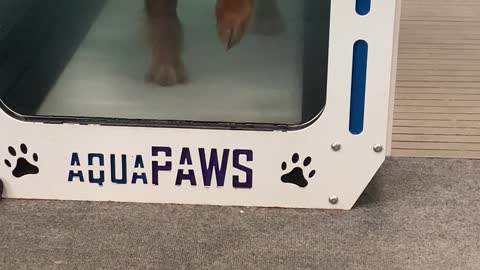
<point x="343" y="174"/>
<point x="394" y="76"/>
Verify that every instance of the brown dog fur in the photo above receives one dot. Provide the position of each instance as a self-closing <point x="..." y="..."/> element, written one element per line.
<point x="233" y="18"/>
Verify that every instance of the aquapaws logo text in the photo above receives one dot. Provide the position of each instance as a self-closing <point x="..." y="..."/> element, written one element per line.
<point x="198" y="167"/>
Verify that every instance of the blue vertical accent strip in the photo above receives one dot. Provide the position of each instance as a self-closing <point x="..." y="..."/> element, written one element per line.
<point x="359" y="83"/>
<point x="363" y="7"/>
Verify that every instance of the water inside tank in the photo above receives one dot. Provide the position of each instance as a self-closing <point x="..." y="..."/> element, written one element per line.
<point x="88" y="59"/>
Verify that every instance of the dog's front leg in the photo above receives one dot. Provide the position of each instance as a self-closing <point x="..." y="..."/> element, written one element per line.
<point x="233" y="18"/>
<point x="166" y="39"/>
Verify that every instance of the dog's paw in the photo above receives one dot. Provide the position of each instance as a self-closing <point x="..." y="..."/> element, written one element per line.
<point x="167" y="75"/>
<point x="233" y="18"/>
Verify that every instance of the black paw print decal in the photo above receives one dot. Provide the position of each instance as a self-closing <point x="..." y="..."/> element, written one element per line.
<point x="296" y="176"/>
<point x="24" y="164"/>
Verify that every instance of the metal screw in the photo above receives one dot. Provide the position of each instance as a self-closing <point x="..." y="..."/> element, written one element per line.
<point x="333" y="200"/>
<point x="336" y="147"/>
<point x="378" y="148"/>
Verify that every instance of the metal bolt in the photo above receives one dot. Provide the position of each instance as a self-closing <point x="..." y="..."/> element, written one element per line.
<point x="333" y="200"/>
<point x="336" y="147"/>
<point x="378" y="148"/>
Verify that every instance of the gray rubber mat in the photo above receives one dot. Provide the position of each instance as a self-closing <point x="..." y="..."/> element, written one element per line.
<point x="416" y="214"/>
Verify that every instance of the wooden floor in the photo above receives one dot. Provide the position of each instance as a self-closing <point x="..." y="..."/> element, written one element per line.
<point x="437" y="111"/>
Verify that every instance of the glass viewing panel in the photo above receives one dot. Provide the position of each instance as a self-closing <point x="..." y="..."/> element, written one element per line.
<point x="90" y="59"/>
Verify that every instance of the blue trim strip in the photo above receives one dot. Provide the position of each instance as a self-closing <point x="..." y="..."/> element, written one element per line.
<point x="359" y="82"/>
<point x="363" y="7"/>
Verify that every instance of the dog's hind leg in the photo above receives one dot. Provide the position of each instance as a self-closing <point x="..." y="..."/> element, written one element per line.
<point x="233" y="18"/>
